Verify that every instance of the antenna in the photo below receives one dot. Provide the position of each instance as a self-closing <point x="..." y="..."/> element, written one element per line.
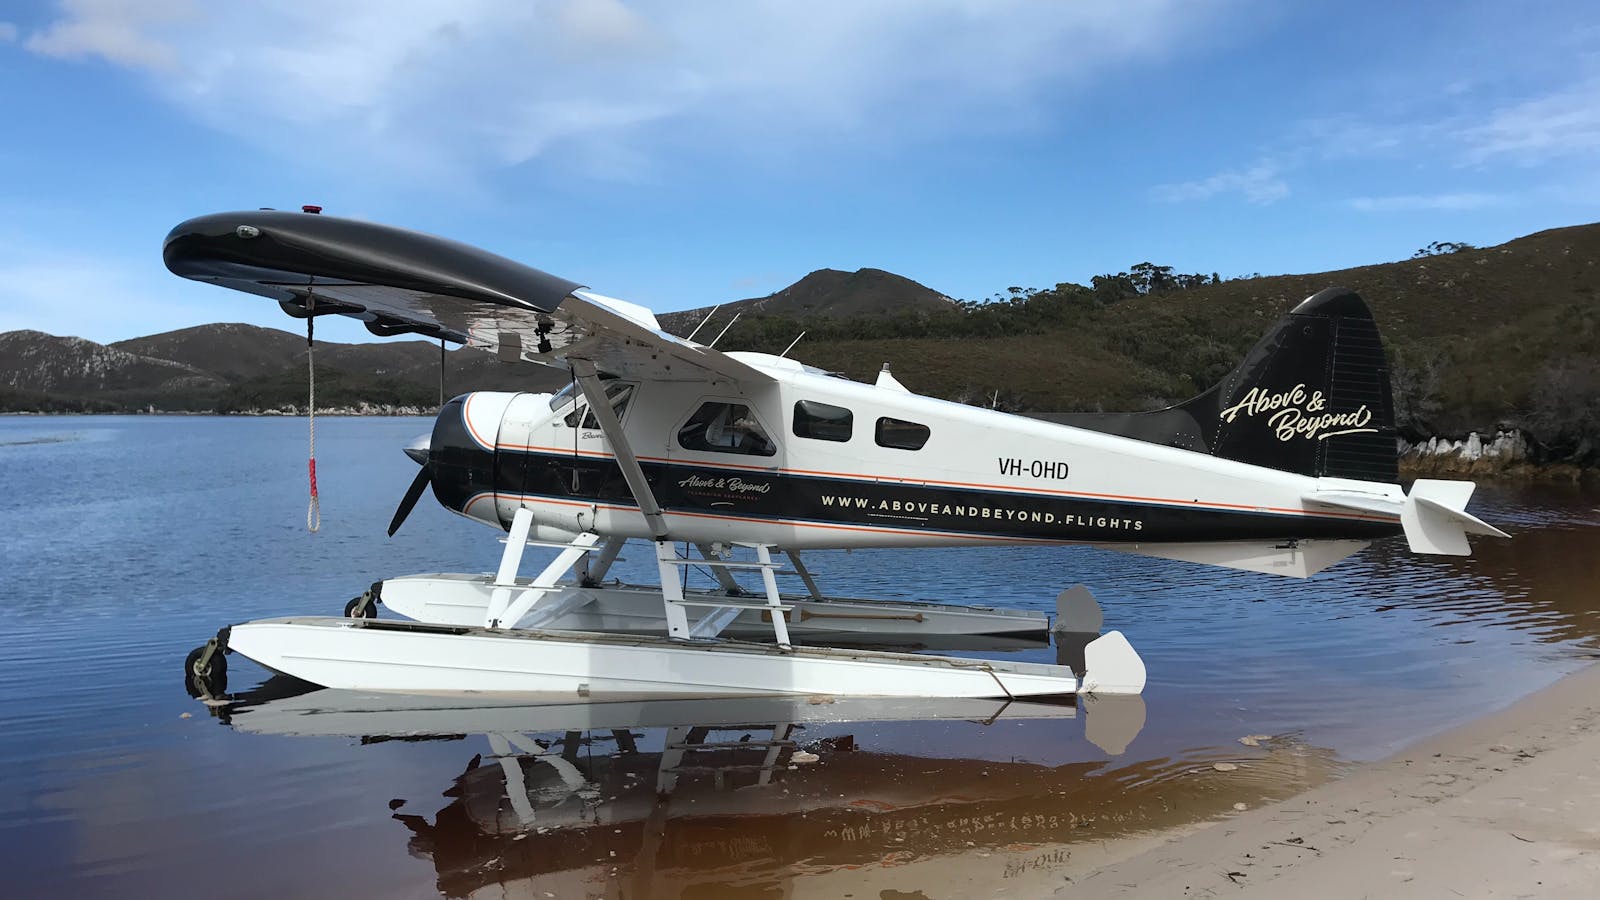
<point x="792" y="343"/>
<point x="725" y="328"/>
<point x="703" y="322"/>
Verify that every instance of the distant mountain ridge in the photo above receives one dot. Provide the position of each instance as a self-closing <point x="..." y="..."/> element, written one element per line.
<point x="825" y="292"/>
<point x="47" y="365"/>
<point x="231" y="350"/>
<point x="234" y="367"/>
<point x="1478" y="339"/>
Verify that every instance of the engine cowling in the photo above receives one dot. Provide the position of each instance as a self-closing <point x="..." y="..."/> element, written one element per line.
<point x="462" y="454"/>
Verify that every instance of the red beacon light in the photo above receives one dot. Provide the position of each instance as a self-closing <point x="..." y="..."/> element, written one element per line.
<point x="309" y="208"/>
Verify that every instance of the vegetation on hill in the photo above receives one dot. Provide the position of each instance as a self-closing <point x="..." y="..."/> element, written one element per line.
<point x="1477" y="338"/>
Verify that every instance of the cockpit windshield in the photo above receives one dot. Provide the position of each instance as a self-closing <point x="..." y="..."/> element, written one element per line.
<point x="618" y="392"/>
<point x="564" y="396"/>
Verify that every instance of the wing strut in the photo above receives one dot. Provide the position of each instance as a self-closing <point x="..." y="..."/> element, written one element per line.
<point x="600" y="405"/>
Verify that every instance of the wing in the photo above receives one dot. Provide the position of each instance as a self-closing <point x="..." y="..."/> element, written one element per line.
<point x="406" y="282"/>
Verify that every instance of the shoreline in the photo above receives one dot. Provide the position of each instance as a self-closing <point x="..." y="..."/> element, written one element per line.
<point x="1488" y="468"/>
<point x="1507" y="805"/>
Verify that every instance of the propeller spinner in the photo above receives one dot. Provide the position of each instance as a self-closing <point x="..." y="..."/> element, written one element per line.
<point x="417" y="450"/>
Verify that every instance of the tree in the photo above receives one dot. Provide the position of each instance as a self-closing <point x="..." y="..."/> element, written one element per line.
<point x="1442" y="248"/>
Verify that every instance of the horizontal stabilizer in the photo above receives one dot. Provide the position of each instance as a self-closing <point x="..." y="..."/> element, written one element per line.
<point x="1295" y="559"/>
<point x="1436" y="521"/>
<point x="1356" y="501"/>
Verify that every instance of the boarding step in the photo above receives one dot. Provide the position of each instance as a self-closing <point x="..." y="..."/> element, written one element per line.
<point x="731" y="603"/>
<point x="721" y="563"/>
<point x="730" y="745"/>
<point x="558" y="545"/>
<point x="714" y="770"/>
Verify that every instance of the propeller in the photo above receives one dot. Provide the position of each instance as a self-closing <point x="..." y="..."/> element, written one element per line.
<point x="417" y="450"/>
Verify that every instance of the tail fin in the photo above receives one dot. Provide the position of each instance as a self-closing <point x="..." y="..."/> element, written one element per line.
<point x="1311" y="397"/>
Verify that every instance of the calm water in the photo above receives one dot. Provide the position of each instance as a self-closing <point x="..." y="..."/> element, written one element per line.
<point x="127" y="541"/>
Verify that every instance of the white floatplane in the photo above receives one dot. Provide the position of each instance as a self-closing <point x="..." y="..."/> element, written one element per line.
<point x="1286" y="467"/>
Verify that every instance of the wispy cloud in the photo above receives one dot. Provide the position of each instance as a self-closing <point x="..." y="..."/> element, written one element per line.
<point x="420" y="85"/>
<point x="1548" y="126"/>
<point x="1563" y="123"/>
<point x="116" y="31"/>
<point x="8" y="32"/>
<point x="1426" y="202"/>
<point x="1261" y="184"/>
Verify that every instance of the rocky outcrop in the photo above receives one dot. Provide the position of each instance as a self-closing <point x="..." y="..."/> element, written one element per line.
<point x="359" y="409"/>
<point x="1505" y="448"/>
<point x="1509" y="453"/>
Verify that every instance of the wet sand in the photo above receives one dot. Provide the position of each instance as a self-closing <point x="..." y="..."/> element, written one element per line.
<point x="1506" y="806"/>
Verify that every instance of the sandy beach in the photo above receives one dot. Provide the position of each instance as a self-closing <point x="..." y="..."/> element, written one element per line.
<point x="1505" y="806"/>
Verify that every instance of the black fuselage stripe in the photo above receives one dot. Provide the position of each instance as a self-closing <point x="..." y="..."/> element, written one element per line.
<point x="690" y="488"/>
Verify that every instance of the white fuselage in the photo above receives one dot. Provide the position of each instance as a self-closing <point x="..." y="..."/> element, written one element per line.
<point x="980" y="476"/>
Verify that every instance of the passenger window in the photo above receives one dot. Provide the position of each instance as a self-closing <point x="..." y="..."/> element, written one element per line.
<point x="821" y="421"/>
<point x="901" y="435"/>
<point x="725" y="428"/>
<point x="618" y="392"/>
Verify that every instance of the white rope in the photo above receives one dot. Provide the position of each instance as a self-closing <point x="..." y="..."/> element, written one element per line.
<point x="314" y="505"/>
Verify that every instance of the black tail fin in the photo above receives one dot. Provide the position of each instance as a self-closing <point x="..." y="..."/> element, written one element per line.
<point x="1311" y="397"/>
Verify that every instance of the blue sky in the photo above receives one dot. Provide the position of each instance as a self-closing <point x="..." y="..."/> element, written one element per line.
<point x="681" y="154"/>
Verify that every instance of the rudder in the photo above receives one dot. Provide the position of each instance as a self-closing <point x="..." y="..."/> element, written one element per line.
<point x="1311" y="397"/>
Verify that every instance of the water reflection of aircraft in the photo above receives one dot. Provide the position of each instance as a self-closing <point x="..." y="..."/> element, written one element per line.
<point x="1286" y="467"/>
<point x="631" y="798"/>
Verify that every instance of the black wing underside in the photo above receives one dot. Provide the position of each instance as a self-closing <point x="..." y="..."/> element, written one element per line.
<point x="404" y="282"/>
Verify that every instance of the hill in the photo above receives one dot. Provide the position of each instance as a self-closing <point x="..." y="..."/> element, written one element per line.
<point x="237" y="368"/>
<point x="829" y="293"/>
<point x="66" y="369"/>
<point x="229" y="350"/>
<point x="1478" y="338"/>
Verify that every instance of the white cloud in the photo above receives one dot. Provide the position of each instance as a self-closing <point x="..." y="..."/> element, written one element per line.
<point x="1563" y="123"/>
<point x="424" y="87"/>
<point x="1543" y="125"/>
<point x="114" y="30"/>
<point x="8" y="32"/>
<point x="1261" y="184"/>
<point x="1425" y="202"/>
<point x="1548" y="125"/>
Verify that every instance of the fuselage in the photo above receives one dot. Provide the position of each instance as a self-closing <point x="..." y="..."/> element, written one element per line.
<point x="810" y="460"/>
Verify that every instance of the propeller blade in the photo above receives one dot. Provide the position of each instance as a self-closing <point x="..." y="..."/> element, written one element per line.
<point x="413" y="493"/>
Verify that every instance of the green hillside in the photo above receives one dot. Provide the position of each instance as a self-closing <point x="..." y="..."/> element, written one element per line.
<point x="1476" y="337"/>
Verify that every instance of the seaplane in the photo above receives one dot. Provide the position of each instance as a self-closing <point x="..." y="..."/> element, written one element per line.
<point x="723" y="460"/>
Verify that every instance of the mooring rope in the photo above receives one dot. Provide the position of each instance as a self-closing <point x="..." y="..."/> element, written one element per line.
<point x="576" y="406"/>
<point x="314" y="505"/>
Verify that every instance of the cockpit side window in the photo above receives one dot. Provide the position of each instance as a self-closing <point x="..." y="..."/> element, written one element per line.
<point x="723" y="427"/>
<point x="618" y="392"/>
